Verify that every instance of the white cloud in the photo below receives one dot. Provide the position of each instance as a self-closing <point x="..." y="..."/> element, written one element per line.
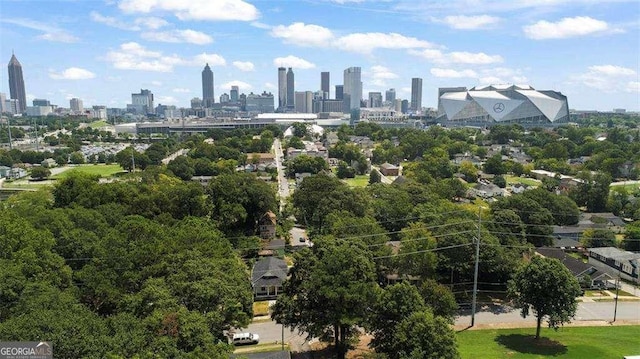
<point x="293" y="61"/>
<point x="261" y="25"/>
<point x="302" y="34"/>
<point x="133" y="56"/>
<point x="565" y="28"/>
<point x="112" y="21"/>
<point x="49" y="32"/>
<point x="72" y="73"/>
<point x="181" y="90"/>
<point x="242" y="86"/>
<point x="612" y="70"/>
<point x="367" y="42"/>
<point x="462" y="22"/>
<point x="166" y="100"/>
<point x="156" y="83"/>
<point x="245" y="66"/>
<point x="607" y="78"/>
<point x="178" y="36"/>
<point x="379" y="75"/>
<point x="490" y="80"/>
<point x="211" y="59"/>
<point x="457" y="57"/>
<point x="451" y="73"/>
<point x="218" y="10"/>
<point x="151" y="22"/>
<point x="270" y="86"/>
<point x="633" y="86"/>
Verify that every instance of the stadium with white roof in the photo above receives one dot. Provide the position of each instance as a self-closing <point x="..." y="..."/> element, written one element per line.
<point x="487" y="105"/>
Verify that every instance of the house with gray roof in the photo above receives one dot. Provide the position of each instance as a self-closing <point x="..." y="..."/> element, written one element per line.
<point x="627" y="264"/>
<point x="577" y="267"/>
<point x="267" y="277"/>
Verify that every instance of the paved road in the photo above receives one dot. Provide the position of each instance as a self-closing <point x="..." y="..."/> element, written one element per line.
<point x="592" y="311"/>
<point x="283" y="184"/>
<point x="271" y="332"/>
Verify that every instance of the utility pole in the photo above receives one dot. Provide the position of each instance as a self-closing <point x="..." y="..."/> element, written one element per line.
<point x="615" y="308"/>
<point x="282" y="342"/>
<point x="9" y="129"/>
<point x="133" y="163"/>
<point x="475" y="273"/>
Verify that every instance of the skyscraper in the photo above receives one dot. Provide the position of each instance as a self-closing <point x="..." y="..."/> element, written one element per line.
<point x="352" y="88"/>
<point x="339" y="92"/>
<point x="375" y="99"/>
<point x="390" y="96"/>
<point x="234" y="94"/>
<point x="324" y="85"/>
<point x="76" y="105"/>
<point x="290" y="89"/>
<point x="416" y="94"/>
<point x="207" y="87"/>
<point x="282" y="88"/>
<point x="16" y="84"/>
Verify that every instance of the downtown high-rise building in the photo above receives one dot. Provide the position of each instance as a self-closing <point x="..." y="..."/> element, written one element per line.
<point x="208" y="98"/>
<point x="76" y="105"/>
<point x="234" y="94"/>
<point x="325" y="86"/>
<point x="416" y="94"/>
<point x="282" y="88"/>
<point x="390" y="96"/>
<point x="16" y="84"/>
<point x="352" y="88"/>
<point x="290" y="89"/>
<point x="375" y="99"/>
<point x="339" y="92"/>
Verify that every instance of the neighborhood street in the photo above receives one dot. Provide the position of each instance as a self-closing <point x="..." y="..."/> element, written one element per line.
<point x="283" y="185"/>
<point x="493" y="316"/>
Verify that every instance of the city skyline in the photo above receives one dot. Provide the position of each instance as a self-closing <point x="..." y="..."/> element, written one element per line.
<point x="102" y="51"/>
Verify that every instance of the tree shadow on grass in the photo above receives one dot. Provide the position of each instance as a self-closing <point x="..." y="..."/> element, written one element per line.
<point x="529" y="345"/>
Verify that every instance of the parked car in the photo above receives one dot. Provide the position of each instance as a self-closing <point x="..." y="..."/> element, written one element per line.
<point x="245" y="339"/>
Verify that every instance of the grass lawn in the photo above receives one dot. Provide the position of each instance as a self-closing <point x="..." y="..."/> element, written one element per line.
<point x="260" y="308"/>
<point x="102" y="170"/>
<point x="358" y="181"/>
<point x="523" y="180"/>
<point x="98" y="124"/>
<point x="570" y="342"/>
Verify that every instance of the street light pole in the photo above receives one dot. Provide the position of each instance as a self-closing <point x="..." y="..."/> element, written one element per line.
<point x="475" y="273"/>
<point x="615" y="308"/>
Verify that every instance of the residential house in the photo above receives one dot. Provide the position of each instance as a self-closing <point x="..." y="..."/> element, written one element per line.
<point x="260" y="158"/>
<point x="627" y="264"/>
<point x="266" y="355"/>
<point x="17" y="172"/>
<point x="488" y="190"/>
<point x="571" y="232"/>
<point x="387" y="169"/>
<point x="267" y="277"/>
<point x="48" y="163"/>
<point x="267" y="225"/>
<point x="608" y="220"/>
<point x="203" y="180"/>
<point x="301" y="176"/>
<point x="331" y="139"/>
<point x="577" y="267"/>
<point x="4" y="171"/>
<point x="362" y="141"/>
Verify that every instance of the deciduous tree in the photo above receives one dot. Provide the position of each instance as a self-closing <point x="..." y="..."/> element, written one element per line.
<point x="545" y="288"/>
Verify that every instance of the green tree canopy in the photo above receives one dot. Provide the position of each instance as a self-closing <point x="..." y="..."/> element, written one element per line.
<point x="545" y="288"/>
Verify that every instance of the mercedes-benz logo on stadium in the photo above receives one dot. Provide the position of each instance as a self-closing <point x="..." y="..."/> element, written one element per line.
<point x="498" y="107"/>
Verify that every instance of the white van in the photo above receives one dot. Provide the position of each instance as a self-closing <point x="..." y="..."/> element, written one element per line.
<point x="245" y="339"/>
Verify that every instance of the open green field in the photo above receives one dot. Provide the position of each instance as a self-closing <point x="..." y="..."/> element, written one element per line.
<point x="569" y="342"/>
<point x="358" y="181"/>
<point x="98" y="124"/>
<point x="523" y="180"/>
<point x="101" y="170"/>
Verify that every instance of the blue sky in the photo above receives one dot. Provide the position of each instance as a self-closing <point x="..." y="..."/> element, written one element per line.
<point x="102" y="51"/>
